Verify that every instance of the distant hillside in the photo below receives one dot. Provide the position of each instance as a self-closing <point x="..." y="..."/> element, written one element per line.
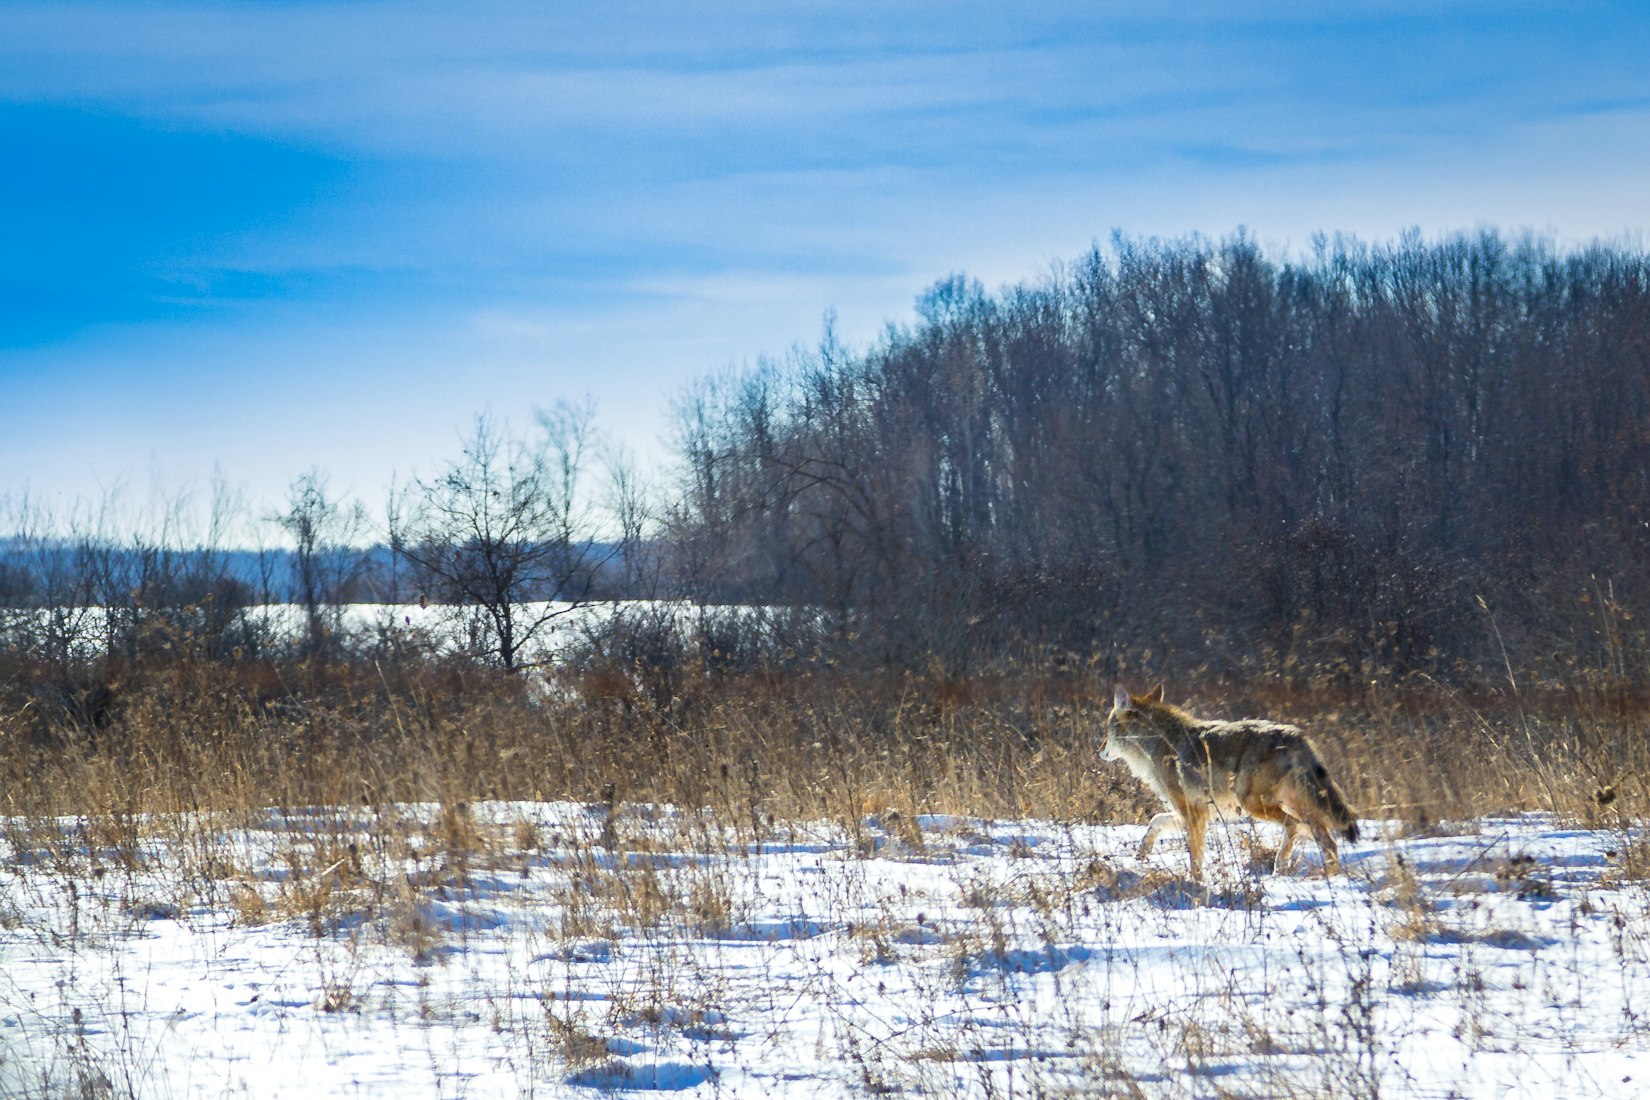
<point x="33" y="570"/>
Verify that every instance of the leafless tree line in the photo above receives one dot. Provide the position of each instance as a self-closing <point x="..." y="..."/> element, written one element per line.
<point x="1361" y="458"/>
<point x="1420" y="456"/>
<point x="504" y="541"/>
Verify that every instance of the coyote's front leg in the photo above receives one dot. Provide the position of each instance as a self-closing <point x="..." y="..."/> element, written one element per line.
<point x="1165" y="820"/>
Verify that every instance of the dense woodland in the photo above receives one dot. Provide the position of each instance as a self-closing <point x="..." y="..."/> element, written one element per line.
<point x="1425" y="457"/>
<point x="1374" y="458"/>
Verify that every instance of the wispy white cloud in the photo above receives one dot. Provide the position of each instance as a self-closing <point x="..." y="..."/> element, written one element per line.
<point x="459" y="205"/>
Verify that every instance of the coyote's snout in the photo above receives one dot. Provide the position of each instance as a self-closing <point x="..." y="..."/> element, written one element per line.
<point x="1266" y="769"/>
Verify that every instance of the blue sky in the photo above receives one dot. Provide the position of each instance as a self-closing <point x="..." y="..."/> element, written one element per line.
<point x="261" y="237"/>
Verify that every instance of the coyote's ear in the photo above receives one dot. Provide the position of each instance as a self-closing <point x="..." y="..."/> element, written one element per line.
<point x="1121" y="699"/>
<point x="1155" y="695"/>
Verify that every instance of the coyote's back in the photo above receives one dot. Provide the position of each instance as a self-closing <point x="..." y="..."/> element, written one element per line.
<point x="1199" y="767"/>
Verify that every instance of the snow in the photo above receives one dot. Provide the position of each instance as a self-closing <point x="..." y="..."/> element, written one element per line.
<point x="506" y="950"/>
<point x="443" y="627"/>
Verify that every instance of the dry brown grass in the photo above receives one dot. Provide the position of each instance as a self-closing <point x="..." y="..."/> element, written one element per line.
<point x="232" y="740"/>
<point x="377" y="839"/>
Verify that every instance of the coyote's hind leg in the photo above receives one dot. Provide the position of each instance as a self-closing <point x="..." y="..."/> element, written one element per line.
<point x="1291" y="833"/>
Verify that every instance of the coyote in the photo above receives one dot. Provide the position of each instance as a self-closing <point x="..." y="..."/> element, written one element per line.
<point x="1267" y="769"/>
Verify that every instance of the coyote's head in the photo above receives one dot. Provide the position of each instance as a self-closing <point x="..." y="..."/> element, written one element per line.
<point x="1125" y="715"/>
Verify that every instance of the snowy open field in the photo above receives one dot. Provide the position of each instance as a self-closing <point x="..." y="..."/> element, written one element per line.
<point x="561" y="950"/>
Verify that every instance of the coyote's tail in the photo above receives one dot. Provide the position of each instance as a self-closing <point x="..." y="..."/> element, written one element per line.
<point x="1331" y="801"/>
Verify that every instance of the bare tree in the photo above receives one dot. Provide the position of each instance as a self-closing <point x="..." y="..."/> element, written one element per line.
<point x="505" y="534"/>
<point x="327" y="558"/>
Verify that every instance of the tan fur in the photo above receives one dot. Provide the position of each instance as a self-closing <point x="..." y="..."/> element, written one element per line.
<point x="1267" y="770"/>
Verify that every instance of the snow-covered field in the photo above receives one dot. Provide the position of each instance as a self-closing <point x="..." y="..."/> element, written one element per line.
<point x="564" y="950"/>
<point x="443" y="628"/>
